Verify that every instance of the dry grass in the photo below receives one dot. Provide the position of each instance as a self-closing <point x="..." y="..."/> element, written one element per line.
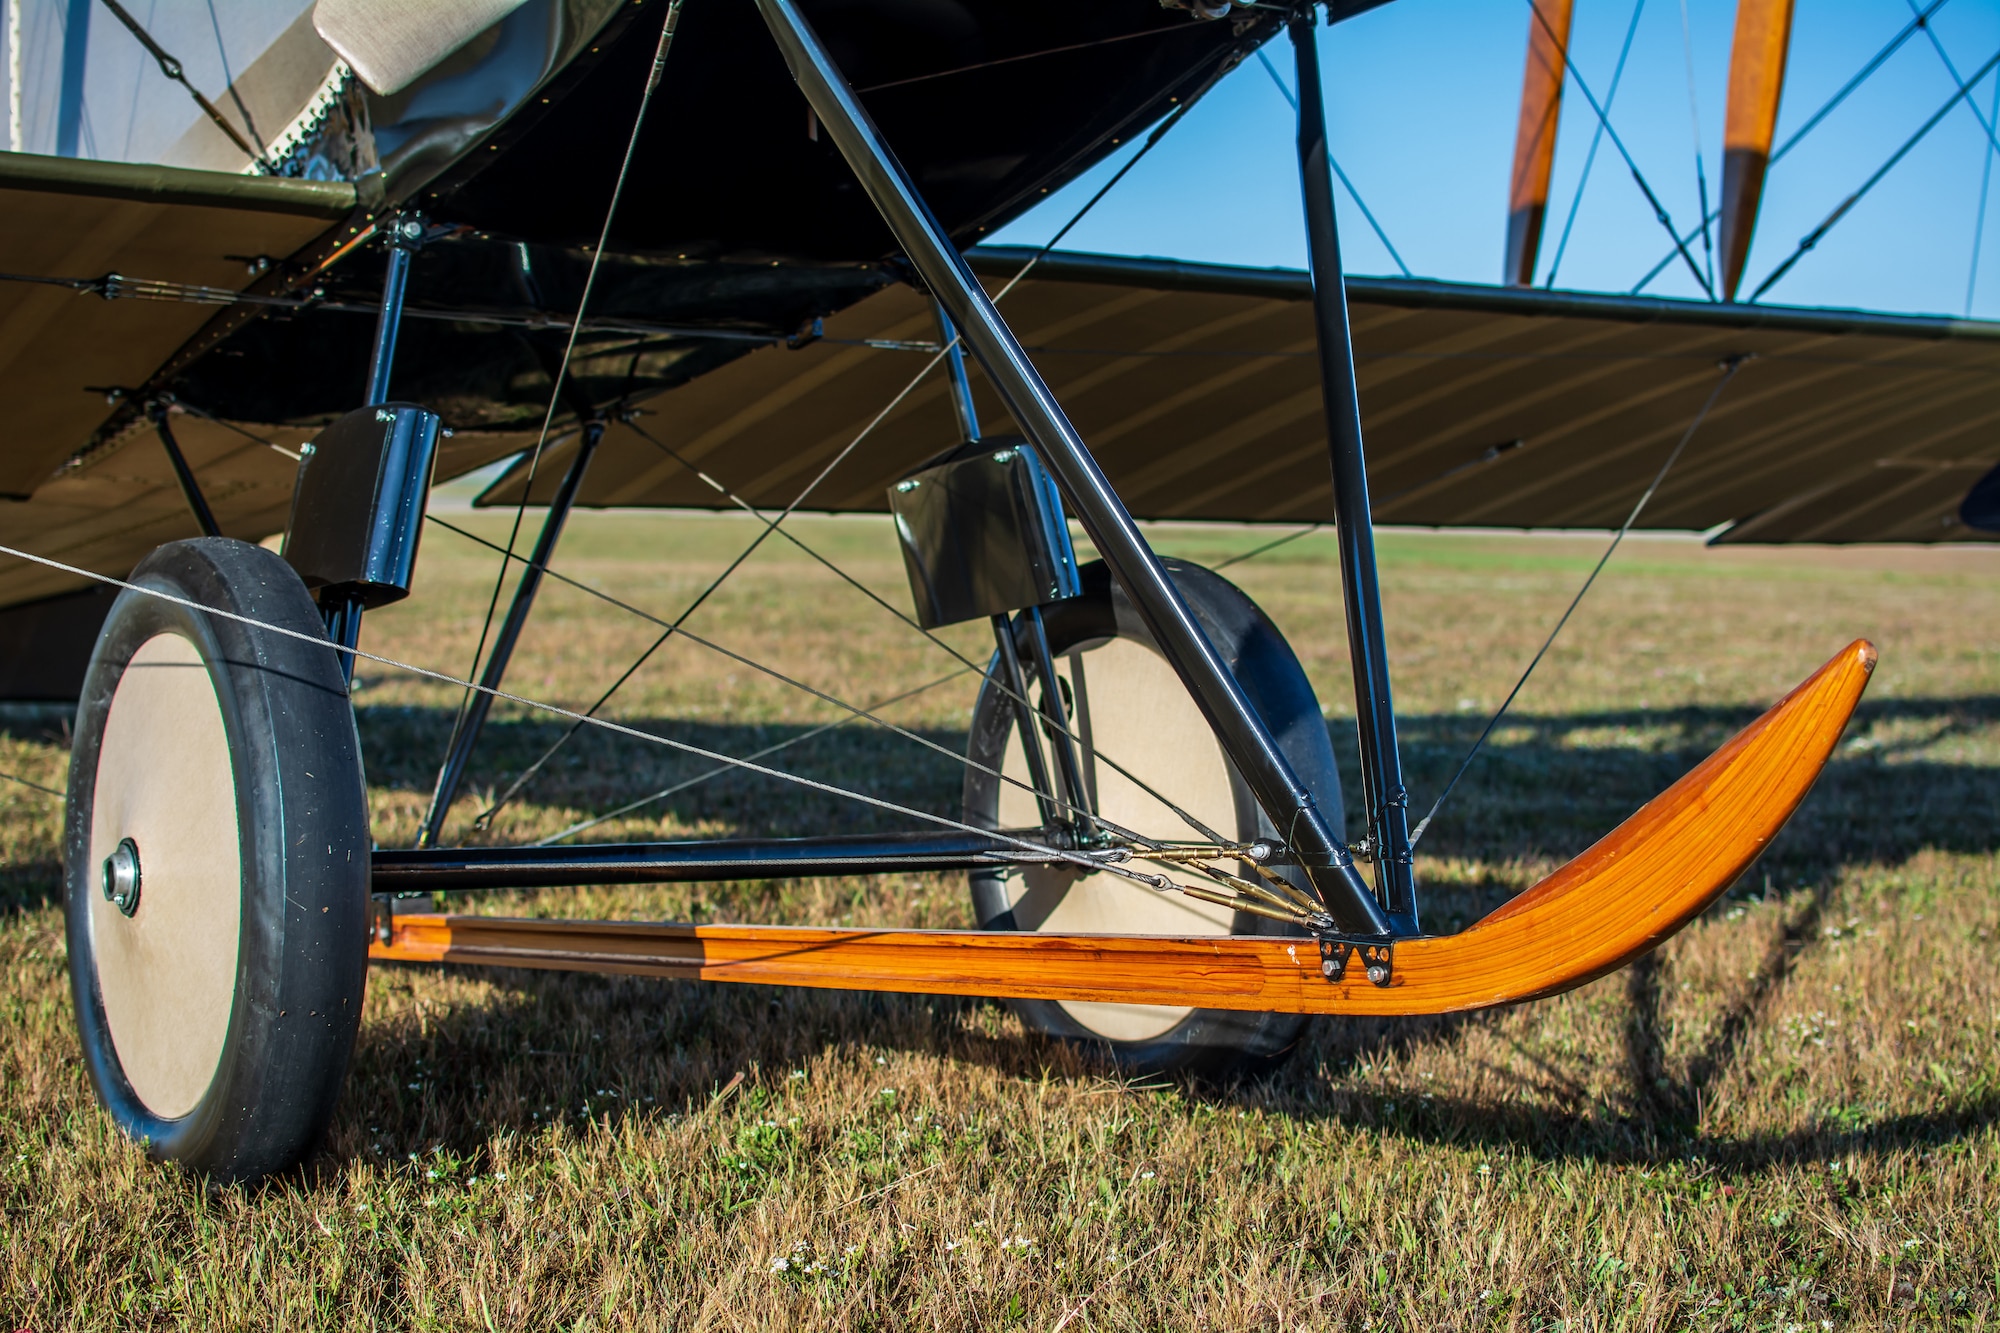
<point x="1784" y="1119"/>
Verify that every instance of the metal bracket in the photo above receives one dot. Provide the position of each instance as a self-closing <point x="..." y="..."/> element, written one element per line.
<point x="1378" y="958"/>
<point x="381" y="916"/>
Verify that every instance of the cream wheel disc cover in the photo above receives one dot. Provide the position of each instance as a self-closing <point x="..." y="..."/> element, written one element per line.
<point x="167" y="973"/>
<point x="1128" y="703"/>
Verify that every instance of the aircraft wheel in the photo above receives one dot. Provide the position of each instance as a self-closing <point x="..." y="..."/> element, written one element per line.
<point x="217" y="865"/>
<point x="1127" y="702"/>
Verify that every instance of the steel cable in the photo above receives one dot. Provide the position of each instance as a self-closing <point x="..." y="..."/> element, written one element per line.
<point x="858" y="712"/>
<point x="1638" y="177"/>
<point x="653" y="77"/>
<point x="1092" y="863"/>
<point x="1730" y="367"/>
<point x="1596" y="139"/>
<point x="880" y="601"/>
<point x="1153" y="139"/>
<point x="1826" y="108"/>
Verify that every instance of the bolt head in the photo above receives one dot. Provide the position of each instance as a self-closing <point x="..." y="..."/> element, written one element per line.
<point x="1328" y="968"/>
<point x="1379" y="975"/>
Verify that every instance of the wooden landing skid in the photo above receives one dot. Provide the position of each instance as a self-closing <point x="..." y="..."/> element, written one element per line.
<point x="1645" y="880"/>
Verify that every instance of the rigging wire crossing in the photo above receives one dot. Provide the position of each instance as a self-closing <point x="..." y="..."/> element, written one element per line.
<point x="653" y="77"/>
<point x="1817" y="234"/>
<point x="1153" y="139"/>
<point x="1292" y="100"/>
<point x="1861" y="76"/>
<point x="1596" y="138"/>
<point x="858" y="712"/>
<point x="1108" y="861"/>
<point x="1638" y="177"/>
<point x="520" y="782"/>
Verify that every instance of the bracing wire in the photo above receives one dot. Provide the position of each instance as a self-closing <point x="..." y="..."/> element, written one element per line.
<point x="172" y="69"/>
<point x="744" y="505"/>
<point x="773" y="525"/>
<point x="653" y="77"/>
<point x="1596" y="139"/>
<point x="1729" y="369"/>
<point x="584" y="826"/>
<point x="1826" y="109"/>
<point x="857" y="712"/>
<point x="1694" y="122"/>
<point x="1951" y="68"/>
<point x="1108" y="861"/>
<point x="1292" y="100"/>
<point x="1638" y="177"/>
<point x="1979" y="225"/>
<point x="1811" y="239"/>
<point x="35" y="786"/>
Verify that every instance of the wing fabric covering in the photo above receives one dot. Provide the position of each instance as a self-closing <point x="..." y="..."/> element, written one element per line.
<point x="1638" y="885"/>
<point x="1197" y="389"/>
<point x="64" y="353"/>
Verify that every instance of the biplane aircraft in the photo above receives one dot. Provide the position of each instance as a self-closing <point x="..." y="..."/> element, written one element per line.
<point x="413" y="241"/>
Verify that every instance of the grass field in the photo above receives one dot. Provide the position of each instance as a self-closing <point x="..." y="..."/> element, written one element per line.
<point x="1787" y="1118"/>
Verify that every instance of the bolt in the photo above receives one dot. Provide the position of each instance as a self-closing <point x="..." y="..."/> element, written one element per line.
<point x="1329" y="968"/>
<point x="121" y="877"/>
<point x="1379" y="974"/>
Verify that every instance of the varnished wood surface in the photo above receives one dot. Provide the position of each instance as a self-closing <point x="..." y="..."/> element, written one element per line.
<point x="1535" y="137"/>
<point x="1756" y="83"/>
<point x="1638" y="885"/>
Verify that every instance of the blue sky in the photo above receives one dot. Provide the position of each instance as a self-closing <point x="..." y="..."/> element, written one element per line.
<point x="1422" y="97"/>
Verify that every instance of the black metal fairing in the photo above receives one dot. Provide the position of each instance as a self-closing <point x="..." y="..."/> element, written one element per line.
<point x="311" y="364"/>
<point x="728" y="165"/>
<point x="735" y="215"/>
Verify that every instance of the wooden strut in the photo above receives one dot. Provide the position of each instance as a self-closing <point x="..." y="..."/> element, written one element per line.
<point x="1535" y="137"/>
<point x="1645" y="880"/>
<point x="1756" y="82"/>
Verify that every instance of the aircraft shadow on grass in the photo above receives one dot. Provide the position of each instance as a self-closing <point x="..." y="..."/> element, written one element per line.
<point x="1545" y="787"/>
<point x="549" y="1045"/>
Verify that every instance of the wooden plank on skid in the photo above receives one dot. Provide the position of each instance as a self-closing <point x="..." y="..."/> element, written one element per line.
<point x="1637" y="886"/>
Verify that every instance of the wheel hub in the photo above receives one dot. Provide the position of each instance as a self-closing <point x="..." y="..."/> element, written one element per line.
<point x="121" y="877"/>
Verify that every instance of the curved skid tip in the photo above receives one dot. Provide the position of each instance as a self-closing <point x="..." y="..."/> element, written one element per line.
<point x="1636" y="886"/>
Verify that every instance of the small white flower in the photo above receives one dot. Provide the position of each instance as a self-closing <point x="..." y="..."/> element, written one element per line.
<point x="499" y="1175"/>
<point x="780" y="1264"/>
<point x="951" y="1245"/>
<point x="1911" y="1244"/>
<point x="881" y="1059"/>
<point x="853" y="1249"/>
<point x="798" y="1073"/>
<point x="1145" y="1175"/>
<point x="431" y="1174"/>
<point x="416" y="1085"/>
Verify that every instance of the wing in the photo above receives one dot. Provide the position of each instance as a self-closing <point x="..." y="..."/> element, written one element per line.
<point x="1198" y="389"/>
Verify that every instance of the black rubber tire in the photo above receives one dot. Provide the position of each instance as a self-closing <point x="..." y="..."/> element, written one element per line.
<point x="286" y="1013"/>
<point x="1211" y="1043"/>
